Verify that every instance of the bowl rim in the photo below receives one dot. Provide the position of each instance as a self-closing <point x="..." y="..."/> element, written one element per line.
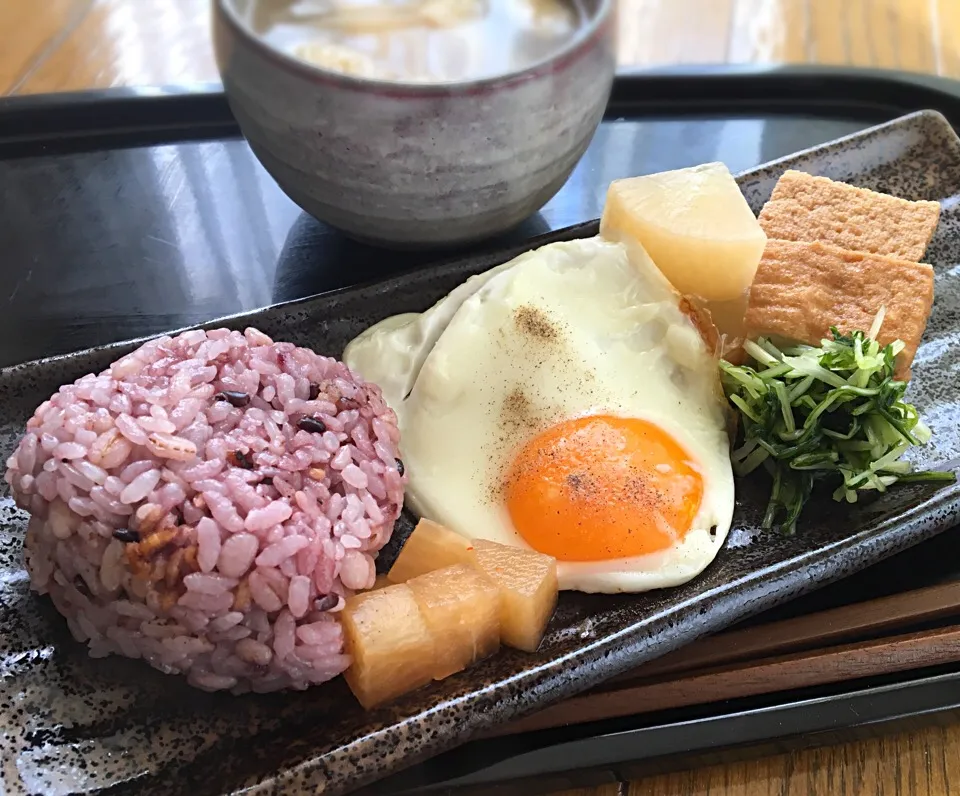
<point x="595" y="28"/>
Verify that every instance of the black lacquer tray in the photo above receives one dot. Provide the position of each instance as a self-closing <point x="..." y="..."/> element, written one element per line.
<point x="129" y="213"/>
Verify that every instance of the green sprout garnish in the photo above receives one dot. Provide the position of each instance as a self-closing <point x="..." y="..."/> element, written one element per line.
<point x="830" y="414"/>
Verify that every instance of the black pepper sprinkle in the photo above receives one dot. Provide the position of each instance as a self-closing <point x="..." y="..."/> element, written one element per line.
<point x="326" y="602"/>
<point x="314" y="392"/>
<point x="126" y="535"/>
<point x="311" y="424"/>
<point x="233" y="397"/>
<point x="399" y="466"/>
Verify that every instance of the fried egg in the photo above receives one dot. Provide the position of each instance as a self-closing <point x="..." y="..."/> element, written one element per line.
<point x="564" y="402"/>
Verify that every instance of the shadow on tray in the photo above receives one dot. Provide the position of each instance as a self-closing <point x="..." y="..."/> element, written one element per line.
<point x="316" y="258"/>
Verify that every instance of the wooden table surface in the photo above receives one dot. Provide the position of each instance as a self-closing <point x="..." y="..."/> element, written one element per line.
<point x="69" y="45"/>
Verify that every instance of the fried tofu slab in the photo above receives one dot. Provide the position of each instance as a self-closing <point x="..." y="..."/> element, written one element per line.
<point x="808" y="208"/>
<point x="835" y="256"/>
<point x="802" y="289"/>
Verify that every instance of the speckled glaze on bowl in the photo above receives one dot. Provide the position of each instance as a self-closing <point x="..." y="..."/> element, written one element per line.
<point x="417" y="164"/>
<point x="74" y="725"/>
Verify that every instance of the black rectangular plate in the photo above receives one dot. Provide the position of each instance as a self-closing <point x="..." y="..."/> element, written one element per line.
<point x="84" y="268"/>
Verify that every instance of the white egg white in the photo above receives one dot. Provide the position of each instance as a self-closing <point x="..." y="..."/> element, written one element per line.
<point x="569" y="330"/>
<point x="390" y="353"/>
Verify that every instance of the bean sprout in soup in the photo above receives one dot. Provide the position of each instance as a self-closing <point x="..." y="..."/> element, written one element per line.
<point x="417" y="40"/>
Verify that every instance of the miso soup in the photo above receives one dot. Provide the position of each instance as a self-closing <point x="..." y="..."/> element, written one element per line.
<point x="417" y="40"/>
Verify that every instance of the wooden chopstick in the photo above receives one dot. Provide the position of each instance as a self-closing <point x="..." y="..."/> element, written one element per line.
<point x="764" y="650"/>
<point x="781" y="673"/>
<point x="833" y="626"/>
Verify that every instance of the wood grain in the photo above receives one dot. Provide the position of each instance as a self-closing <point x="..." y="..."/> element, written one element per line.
<point x="82" y="44"/>
<point x="923" y="763"/>
<point x="67" y="45"/>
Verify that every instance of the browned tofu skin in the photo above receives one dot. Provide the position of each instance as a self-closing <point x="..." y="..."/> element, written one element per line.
<point x="802" y="289"/>
<point x="807" y="208"/>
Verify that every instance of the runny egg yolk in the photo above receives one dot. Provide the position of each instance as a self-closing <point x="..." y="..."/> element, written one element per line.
<point x="602" y="487"/>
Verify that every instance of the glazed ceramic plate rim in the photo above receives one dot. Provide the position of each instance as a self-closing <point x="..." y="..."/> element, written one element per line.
<point x="341" y="766"/>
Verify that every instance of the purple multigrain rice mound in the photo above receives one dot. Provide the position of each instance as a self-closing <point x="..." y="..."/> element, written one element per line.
<point x="207" y="503"/>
